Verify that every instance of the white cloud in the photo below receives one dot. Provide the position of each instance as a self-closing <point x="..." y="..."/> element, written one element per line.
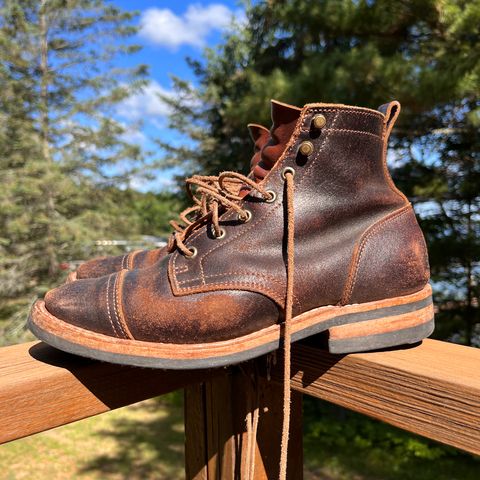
<point x="133" y="135"/>
<point x="163" y="27"/>
<point x="145" y="104"/>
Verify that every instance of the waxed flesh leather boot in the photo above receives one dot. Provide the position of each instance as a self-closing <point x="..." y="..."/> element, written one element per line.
<point x="324" y="242"/>
<point x="101" y="266"/>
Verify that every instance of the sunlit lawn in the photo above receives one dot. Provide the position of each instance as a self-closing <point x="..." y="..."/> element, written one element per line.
<point x="145" y="441"/>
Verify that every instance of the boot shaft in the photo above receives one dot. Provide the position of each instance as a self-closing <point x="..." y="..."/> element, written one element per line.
<point x="344" y="198"/>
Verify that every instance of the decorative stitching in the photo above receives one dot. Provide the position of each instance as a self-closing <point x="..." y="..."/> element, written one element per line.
<point x="115" y="299"/>
<point x="181" y="269"/>
<point x="267" y="277"/>
<point x="123" y="260"/>
<point x="357" y="256"/>
<point x="357" y="110"/>
<point x="118" y="304"/>
<point x="238" y="285"/>
<point x="130" y="259"/>
<point x="108" y="306"/>
<point x="346" y="130"/>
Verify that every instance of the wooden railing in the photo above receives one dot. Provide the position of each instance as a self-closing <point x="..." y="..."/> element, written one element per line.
<point x="432" y="389"/>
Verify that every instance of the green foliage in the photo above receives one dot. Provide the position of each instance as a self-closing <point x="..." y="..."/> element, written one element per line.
<point x="342" y="444"/>
<point x="62" y="150"/>
<point x="425" y="53"/>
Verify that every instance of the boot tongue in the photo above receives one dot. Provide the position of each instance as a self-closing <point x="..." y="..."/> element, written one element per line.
<point x="284" y="118"/>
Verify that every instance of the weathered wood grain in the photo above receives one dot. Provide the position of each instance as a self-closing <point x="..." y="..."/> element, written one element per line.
<point x="216" y="427"/>
<point x="43" y="388"/>
<point x="432" y="389"/>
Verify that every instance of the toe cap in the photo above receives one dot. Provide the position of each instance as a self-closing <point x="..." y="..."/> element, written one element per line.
<point x="85" y="304"/>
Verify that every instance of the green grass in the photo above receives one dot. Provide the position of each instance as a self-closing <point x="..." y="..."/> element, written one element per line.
<point x="145" y="441"/>
<point x="140" y="442"/>
<point x="343" y="445"/>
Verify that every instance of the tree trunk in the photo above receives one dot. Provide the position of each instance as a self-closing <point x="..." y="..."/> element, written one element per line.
<point x="45" y="135"/>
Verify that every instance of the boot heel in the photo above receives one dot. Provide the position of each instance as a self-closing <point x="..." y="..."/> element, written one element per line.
<point x="408" y="325"/>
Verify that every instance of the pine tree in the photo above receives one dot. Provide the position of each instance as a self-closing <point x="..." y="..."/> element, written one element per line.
<point x="61" y="144"/>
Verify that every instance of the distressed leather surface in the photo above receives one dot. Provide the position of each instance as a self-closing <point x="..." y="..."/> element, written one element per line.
<point x="356" y="240"/>
<point x="340" y="191"/>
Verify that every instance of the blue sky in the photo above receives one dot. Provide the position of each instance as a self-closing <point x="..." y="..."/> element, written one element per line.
<point x="169" y="32"/>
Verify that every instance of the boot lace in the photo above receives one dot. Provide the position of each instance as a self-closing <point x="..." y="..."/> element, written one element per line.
<point x="212" y="196"/>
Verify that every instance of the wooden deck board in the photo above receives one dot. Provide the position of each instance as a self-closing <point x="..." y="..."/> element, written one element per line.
<point x="432" y="389"/>
<point x="43" y="388"/>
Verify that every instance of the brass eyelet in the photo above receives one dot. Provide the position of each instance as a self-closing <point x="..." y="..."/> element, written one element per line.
<point x="194" y="252"/>
<point x="246" y="218"/>
<point x="319" y="121"/>
<point x="272" y="196"/>
<point x="288" y="170"/>
<point x="306" y="148"/>
<point x="222" y="234"/>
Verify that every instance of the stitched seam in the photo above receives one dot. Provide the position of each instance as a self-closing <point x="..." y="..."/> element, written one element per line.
<point x="181" y="269"/>
<point x="108" y="306"/>
<point x="130" y="259"/>
<point x="118" y="305"/>
<point x="367" y="235"/>
<point x="348" y="109"/>
<point x="269" y="278"/>
<point x="115" y="306"/>
<point x="346" y="130"/>
<point x="123" y="261"/>
<point x="229" y="286"/>
<point x="264" y="275"/>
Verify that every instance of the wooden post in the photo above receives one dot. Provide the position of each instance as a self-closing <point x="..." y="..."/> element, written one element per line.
<point x="216" y="436"/>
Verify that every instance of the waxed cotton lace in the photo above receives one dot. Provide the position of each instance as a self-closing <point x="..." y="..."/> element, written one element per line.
<point x="211" y="199"/>
<point x="213" y="195"/>
<point x="287" y="334"/>
<point x="197" y="209"/>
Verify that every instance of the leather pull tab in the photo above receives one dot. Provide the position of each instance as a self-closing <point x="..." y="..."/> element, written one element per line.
<point x="256" y="131"/>
<point x="391" y="110"/>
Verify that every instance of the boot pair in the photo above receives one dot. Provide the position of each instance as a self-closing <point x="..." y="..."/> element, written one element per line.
<point x="316" y="239"/>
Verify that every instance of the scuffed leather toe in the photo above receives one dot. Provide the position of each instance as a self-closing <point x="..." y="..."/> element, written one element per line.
<point x="98" y="267"/>
<point x="84" y="304"/>
<point x="153" y="313"/>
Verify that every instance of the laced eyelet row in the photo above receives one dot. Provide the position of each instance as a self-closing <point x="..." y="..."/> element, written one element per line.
<point x="245" y="218"/>
<point x="272" y="196"/>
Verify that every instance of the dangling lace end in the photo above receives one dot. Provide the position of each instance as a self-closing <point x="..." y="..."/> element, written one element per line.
<point x="252" y="428"/>
<point x="288" y="176"/>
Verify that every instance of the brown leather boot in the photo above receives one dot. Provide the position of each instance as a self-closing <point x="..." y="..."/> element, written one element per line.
<point x="98" y="267"/>
<point x="325" y="242"/>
